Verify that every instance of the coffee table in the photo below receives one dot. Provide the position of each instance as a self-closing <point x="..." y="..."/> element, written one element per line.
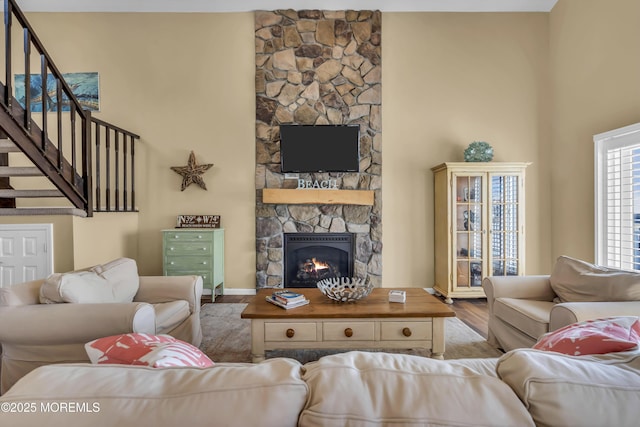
<point x="372" y="322"/>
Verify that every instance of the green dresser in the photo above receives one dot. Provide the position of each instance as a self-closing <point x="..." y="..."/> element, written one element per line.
<point x="194" y="251"/>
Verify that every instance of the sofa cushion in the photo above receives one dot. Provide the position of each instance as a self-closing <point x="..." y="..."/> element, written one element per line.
<point x="375" y="389"/>
<point x="528" y="316"/>
<point x="76" y="287"/>
<point x="574" y="280"/>
<point x="561" y="390"/>
<point x="116" y="281"/>
<point x="122" y="274"/>
<point x="599" y="336"/>
<point x="267" y="394"/>
<point x="157" y="351"/>
<point x="170" y="314"/>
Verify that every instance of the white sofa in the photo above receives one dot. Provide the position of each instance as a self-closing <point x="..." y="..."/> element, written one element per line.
<point x="33" y="334"/>
<point x="524" y="387"/>
<point x="523" y="308"/>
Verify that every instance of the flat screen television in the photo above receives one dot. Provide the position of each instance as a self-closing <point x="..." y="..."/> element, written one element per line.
<point x="320" y="148"/>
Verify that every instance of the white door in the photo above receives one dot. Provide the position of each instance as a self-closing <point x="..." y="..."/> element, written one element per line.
<point x="26" y="252"/>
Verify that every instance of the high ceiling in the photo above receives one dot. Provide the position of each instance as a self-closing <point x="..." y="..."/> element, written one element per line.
<point x="249" y="5"/>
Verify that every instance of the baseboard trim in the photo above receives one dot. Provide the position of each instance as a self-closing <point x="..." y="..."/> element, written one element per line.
<point x="228" y="291"/>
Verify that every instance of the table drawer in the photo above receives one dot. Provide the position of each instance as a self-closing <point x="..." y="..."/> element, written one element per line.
<point x="188" y="248"/>
<point x="290" y="332"/>
<point x="395" y="331"/>
<point x="348" y="331"/>
<point x="188" y="236"/>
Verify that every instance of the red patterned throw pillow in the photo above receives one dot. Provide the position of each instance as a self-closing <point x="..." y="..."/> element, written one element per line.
<point x="158" y="351"/>
<point x="600" y="336"/>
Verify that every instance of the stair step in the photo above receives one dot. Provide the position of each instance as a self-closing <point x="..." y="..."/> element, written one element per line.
<point x="42" y="211"/>
<point x="9" y="171"/>
<point x="14" y="194"/>
<point x="7" y="146"/>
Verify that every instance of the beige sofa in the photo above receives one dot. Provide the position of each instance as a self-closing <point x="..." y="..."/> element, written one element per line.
<point x="523" y="308"/>
<point x="522" y="388"/>
<point x="33" y="334"/>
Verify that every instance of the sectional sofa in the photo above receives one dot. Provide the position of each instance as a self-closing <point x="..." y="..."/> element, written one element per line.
<point x="524" y="387"/>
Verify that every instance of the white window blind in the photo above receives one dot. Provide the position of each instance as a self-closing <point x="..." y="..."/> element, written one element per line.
<point x="617" y="198"/>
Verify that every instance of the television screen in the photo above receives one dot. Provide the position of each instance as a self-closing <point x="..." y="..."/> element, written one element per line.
<point x="321" y="148"/>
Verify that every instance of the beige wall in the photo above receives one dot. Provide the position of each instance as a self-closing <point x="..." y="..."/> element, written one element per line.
<point x="118" y="230"/>
<point x="168" y="78"/>
<point x="595" y="67"/>
<point x="448" y="79"/>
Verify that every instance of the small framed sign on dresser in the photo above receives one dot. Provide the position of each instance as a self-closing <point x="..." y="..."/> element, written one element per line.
<point x="198" y="221"/>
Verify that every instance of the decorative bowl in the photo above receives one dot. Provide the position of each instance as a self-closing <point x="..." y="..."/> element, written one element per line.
<point x="345" y="289"/>
<point x="478" y="151"/>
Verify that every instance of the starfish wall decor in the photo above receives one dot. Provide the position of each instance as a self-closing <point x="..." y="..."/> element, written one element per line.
<point x="191" y="173"/>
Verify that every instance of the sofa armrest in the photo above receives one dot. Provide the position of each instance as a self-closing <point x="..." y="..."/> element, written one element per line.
<point x="73" y="323"/>
<point x="158" y="289"/>
<point x="522" y="287"/>
<point x="566" y="313"/>
<point x="25" y="293"/>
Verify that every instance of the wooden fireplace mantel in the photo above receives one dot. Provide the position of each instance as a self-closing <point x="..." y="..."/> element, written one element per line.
<point x="317" y="196"/>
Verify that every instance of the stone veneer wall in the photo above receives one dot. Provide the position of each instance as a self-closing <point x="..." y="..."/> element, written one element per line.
<point x="318" y="67"/>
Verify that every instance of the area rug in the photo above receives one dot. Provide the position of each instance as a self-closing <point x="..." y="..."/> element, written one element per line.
<point x="227" y="338"/>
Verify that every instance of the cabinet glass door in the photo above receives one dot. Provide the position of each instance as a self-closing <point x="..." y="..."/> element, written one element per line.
<point x="469" y="230"/>
<point x="504" y="232"/>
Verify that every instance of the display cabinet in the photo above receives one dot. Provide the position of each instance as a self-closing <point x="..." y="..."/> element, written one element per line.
<point x="479" y="225"/>
<point x="197" y="252"/>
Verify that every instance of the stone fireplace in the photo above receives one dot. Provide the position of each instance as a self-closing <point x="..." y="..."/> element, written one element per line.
<point x="310" y="257"/>
<point x="318" y="67"/>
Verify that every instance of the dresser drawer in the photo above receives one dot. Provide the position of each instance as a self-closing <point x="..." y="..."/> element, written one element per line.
<point x="290" y="332"/>
<point x="347" y="331"/>
<point x="395" y="331"/>
<point x="187" y="263"/>
<point x="206" y="275"/>
<point x="182" y="236"/>
<point x="188" y="248"/>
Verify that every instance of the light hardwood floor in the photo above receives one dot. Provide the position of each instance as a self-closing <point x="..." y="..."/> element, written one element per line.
<point x="473" y="312"/>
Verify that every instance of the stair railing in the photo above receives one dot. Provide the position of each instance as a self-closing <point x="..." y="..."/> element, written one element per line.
<point x="119" y="179"/>
<point x="49" y="144"/>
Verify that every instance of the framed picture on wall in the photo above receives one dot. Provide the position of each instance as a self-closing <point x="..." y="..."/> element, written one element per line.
<point x="85" y="87"/>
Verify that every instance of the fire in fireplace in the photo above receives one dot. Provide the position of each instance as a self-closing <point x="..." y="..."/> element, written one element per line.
<point x="310" y="257"/>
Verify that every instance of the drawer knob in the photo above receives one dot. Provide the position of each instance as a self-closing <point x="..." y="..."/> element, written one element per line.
<point x="176" y="237"/>
<point x="204" y="262"/>
<point x="290" y="333"/>
<point x="406" y="332"/>
<point x="204" y="249"/>
<point x="348" y="332"/>
<point x="172" y="263"/>
<point x="170" y="249"/>
<point x="199" y="237"/>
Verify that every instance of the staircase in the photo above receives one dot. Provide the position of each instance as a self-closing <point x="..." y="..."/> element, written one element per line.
<point x="54" y="162"/>
<point x="8" y="194"/>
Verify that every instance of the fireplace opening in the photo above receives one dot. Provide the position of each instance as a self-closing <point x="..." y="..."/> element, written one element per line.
<point x="310" y="257"/>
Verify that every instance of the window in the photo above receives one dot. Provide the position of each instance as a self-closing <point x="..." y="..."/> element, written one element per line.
<point x="617" y="198"/>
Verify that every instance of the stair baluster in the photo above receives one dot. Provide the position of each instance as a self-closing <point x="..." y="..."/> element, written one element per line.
<point x="73" y="180"/>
